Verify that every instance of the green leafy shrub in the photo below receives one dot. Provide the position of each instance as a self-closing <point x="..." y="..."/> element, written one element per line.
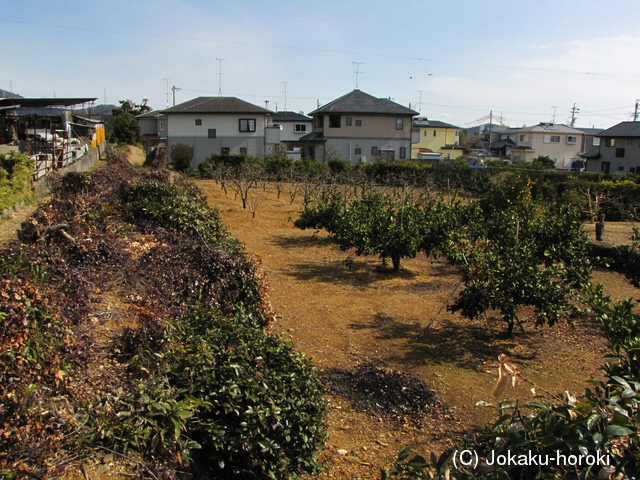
<point x="125" y="129"/>
<point x="16" y="172"/>
<point x="180" y="156"/>
<point x="224" y="398"/>
<point x="177" y="208"/>
<point x="264" y="412"/>
<point x="623" y="258"/>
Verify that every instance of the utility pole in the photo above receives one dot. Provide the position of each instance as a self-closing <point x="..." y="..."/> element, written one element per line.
<point x="220" y="76"/>
<point x="357" y="72"/>
<point x="420" y="102"/>
<point x="174" y="89"/>
<point x="553" y="120"/>
<point x="490" y="130"/>
<point x="574" y="112"/>
<point x="635" y="111"/>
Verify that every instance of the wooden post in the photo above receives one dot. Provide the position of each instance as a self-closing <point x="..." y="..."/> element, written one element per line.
<point x="600" y="228"/>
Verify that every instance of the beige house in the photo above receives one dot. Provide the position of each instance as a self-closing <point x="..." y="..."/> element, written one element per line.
<point x="435" y="138"/>
<point x="359" y="127"/>
<point x="559" y="142"/>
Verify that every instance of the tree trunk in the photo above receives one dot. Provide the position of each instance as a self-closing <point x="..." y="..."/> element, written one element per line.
<point x="396" y="262"/>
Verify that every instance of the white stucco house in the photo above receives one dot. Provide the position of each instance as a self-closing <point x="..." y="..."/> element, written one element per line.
<point x="223" y="125"/>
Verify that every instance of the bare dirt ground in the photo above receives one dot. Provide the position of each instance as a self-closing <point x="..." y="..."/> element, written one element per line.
<point x="345" y="314"/>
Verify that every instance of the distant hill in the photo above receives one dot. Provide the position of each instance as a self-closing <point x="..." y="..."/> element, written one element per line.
<point x="8" y="94"/>
<point x="99" y="110"/>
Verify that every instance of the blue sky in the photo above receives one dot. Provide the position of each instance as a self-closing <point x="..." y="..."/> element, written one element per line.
<point x="453" y="60"/>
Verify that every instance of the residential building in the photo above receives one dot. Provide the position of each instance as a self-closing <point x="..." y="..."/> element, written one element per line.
<point x="561" y="143"/>
<point x="619" y="150"/>
<point x="153" y="126"/>
<point x="359" y="127"/>
<point x="223" y="125"/>
<point x="293" y="126"/>
<point x="435" y="138"/>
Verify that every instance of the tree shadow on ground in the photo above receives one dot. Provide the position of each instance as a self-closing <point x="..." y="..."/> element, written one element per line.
<point x="287" y="241"/>
<point x="349" y="271"/>
<point x="448" y="342"/>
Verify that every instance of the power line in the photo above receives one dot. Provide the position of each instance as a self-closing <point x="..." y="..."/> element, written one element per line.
<point x="316" y="49"/>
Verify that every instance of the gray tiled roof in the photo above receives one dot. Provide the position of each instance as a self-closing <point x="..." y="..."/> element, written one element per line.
<point x="434" y="124"/>
<point x="285" y="116"/>
<point x="151" y="114"/>
<point x="593" y="153"/>
<point x="216" y="105"/>
<point x="358" y="101"/>
<point x="623" y="129"/>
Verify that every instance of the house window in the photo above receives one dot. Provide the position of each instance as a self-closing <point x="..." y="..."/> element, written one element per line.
<point x="403" y="152"/>
<point x="554" y="138"/>
<point x="161" y="125"/>
<point x="334" y="121"/>
<point x="348" y="121"/>
<point x="300" y="127"/>
<point x="596" y="142"/>
<point x="425" y="133"/>
<point x="318" y="122"/>
<point x="225" y="150"/>
<point x="198" y="121"/>
<point x="211" y="133"/>
<point x="374" y="150"/>
<point x="619" y="152"/>
<point x="572" y="139"/>
<point x="605" y="167"/>
<point x="358" y="151"/>
<point x="358" y="123"/>
<point x="435" y="132"/>
<point x="243" y="150"/>
<point x="399" y="123"/>
<point x="524" y="138"/>
<point x="621" y="168"/>
<point x="247" y="124"/>
<point x="610" y="142"/>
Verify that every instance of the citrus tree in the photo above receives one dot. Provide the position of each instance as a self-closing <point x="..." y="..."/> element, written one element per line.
<point x="522" y="254"/>
<point x="374" y="224"/>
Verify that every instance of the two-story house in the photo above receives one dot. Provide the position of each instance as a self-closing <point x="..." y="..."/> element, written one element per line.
<point x="153" y="126"/>
<point x="559" y="142"/>
<point x="359" y="127"/>
<point x="293" y="126"/>
<point x="436" y="137"/>
<point x="619" y="150"/>
<point x="224" y="125"/>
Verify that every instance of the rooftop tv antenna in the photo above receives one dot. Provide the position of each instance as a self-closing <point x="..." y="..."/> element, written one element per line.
<point x="553" y="120"/>
<point x="285" y="95"/>
<point x="357" y="72"/>
<point x="220" y="76"/>
<point x="167" y="81"/>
